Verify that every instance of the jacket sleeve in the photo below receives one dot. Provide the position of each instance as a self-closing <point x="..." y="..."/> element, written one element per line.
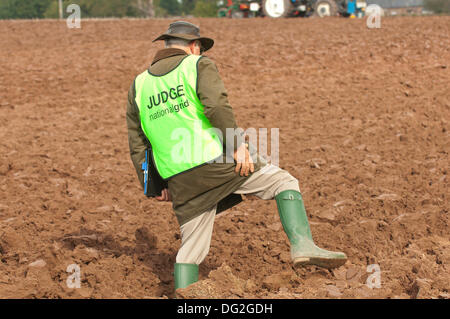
<point x="138" y="143"/>
<point x="214" y="97"/>
<point x="137" y="140"/>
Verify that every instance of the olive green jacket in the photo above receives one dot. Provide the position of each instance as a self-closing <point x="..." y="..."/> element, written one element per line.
<point x="196" y="190"/>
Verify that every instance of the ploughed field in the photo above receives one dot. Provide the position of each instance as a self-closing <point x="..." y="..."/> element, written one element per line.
<point x="363" y="117"/>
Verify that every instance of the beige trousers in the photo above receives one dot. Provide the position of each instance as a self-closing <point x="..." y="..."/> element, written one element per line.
<point x="196" y="234"/>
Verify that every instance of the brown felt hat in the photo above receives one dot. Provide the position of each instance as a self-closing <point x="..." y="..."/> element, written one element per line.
<point x="187" y="31"/>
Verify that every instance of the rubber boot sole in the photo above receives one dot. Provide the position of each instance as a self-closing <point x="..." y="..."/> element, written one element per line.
<point x="328" y="263"/>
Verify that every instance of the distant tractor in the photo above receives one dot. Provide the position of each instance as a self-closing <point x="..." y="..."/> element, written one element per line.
<point x="290" y="8"/>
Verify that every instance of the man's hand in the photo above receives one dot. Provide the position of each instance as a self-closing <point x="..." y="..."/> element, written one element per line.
<point x="165" y="196"/>
<point x="244" y="161"/>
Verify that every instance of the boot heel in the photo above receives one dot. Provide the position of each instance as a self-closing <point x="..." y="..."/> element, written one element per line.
<point x="320" y="262"/>
<point x="299" y="261"/>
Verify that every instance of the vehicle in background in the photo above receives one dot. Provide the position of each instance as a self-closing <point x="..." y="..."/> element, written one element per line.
<point x="291" y="8"/>
<point x="239" y="9"/>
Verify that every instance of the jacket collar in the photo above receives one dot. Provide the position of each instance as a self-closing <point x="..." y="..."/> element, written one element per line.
<point x="167" y="53"/>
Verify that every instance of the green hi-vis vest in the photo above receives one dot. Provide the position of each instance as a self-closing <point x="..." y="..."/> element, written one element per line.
<point x="172" y="118"/>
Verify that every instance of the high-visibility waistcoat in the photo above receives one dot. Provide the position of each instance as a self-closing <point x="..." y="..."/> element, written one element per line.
<point x="172" y="118"/>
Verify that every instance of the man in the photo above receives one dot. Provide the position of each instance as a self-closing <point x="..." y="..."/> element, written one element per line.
<point x="182" y="92"/>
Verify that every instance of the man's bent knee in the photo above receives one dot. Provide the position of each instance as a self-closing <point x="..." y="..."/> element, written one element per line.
<point x="287" y="182"/>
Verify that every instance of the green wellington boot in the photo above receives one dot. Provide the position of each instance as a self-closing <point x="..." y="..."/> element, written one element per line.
<point x="295" y="223"/>
<point x="185" y="274"/>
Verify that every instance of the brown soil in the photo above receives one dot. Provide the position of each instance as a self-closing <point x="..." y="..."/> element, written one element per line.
<point x="363" y="117"/>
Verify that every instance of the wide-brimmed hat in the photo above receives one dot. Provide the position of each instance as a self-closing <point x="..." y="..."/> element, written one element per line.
<point x="187" y="31"/>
